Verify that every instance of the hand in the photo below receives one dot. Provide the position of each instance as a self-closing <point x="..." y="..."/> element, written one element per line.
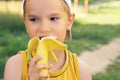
<point x="33" y="69"/>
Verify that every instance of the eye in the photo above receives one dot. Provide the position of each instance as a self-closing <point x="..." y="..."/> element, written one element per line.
<point x="34" y="19"/>
<point x="54" y="18"/>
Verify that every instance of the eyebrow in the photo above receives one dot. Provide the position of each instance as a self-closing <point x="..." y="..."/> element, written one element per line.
<point x="55" y="13"/>
<point x="31" y="15"/>
<point x="52" y="14"/>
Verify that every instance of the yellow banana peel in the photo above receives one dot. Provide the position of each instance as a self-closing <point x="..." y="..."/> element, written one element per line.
<point x="32" y="45"/>
<point x="44" y="47"/>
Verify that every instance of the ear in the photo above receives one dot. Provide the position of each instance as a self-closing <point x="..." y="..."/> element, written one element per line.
<point x="70" y="21"/>
<point x="68" y="32"/>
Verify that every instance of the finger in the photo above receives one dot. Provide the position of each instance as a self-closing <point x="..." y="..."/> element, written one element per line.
<point x="50" y="66"/>
<point x="48" y="78"/>
<point x="41" y="66"/>
<point x="43" y="75"/>
<point x="34" y="60"/>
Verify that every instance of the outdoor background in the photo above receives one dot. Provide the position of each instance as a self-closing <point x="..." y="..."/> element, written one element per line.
<point x="90" y="31"/>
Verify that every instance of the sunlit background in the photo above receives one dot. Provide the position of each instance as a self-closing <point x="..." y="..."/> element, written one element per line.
<point x="96" y="24"/>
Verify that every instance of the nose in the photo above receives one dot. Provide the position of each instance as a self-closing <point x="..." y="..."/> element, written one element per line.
<point x="44" y="27"/>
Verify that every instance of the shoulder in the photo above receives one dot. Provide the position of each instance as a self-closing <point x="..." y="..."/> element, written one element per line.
<point x="13" y="67"/>
<point x="14" y="60"/>
<point x="85" y="73"/>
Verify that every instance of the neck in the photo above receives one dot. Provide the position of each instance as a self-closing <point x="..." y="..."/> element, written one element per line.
<point x="59" y="54"/>
<point x="61" y="60"/>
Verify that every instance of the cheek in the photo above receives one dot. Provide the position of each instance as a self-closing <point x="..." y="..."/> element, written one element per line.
<point x="31" y="31"/>
<point x="61" y="33"/>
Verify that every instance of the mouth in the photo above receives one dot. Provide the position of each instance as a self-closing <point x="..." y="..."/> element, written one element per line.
<point x="48" y="36"/>
<point x="41" y="37"/>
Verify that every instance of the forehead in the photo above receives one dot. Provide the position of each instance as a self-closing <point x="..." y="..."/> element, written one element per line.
<point x="44" y="4"/>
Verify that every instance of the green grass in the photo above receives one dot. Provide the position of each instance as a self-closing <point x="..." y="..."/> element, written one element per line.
<point x="111" y="73"/>
<point x="88" y="36"/>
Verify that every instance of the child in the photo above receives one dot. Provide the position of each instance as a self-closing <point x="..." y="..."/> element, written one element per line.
<point x="45" y="18"/>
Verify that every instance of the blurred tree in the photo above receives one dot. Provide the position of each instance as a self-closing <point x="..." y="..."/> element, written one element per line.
<point x="75" y="5"/>
<point x="86" y="4"/>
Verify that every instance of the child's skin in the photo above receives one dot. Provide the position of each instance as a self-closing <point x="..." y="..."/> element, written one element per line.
<point x="44" y="18"/>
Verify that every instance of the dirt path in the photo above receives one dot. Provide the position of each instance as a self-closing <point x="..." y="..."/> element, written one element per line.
<point x="98" y="59"/>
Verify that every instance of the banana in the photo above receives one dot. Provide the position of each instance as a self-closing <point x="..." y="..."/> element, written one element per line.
<point x="32" y="45"/>
<point x="44" y="47"/>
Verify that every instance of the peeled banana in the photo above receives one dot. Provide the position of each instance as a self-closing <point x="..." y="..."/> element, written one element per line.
<point x="44" y="47"/>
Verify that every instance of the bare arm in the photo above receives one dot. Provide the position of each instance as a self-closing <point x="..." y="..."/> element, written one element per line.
<point x="85" y="73"/>
<point x="13" y="68"/>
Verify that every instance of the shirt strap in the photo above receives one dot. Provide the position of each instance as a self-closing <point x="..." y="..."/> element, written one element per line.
<point x="24" y="65"/>
<point x="76" y="66"/>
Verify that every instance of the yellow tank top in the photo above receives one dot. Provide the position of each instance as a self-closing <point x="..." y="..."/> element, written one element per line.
<point x="70" y="70"/>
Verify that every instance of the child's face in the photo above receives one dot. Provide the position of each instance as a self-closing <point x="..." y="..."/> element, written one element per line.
<point x="46" y="18"/>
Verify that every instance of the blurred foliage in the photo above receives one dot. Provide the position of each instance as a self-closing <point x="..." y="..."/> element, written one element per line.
<point x="2" y="65"/>
<point x="11" y="43"/>
<point x="11" y="22"/>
